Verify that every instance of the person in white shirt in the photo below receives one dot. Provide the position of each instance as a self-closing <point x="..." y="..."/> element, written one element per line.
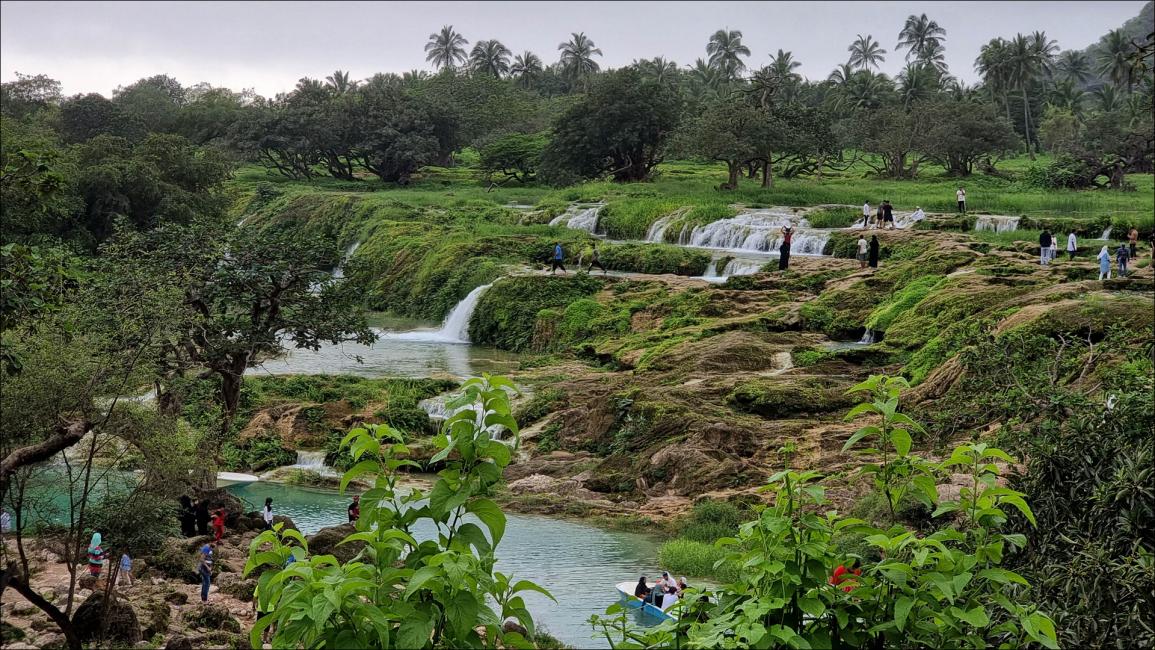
<point x="918" y="215"/>
<point x="1071" y="247"/>
<point x="267" y="513"/>
<point x="861" y="253"/>
<point x="961" y="196"/>
<point x="866" y="214"/>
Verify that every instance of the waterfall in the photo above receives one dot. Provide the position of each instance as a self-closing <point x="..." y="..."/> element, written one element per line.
<point x="867" y="337"/>
<point x="579" y="217"/>
<point x="311" y="460"/>
<point x="339" y="272"/>
<point x="753" y="230"/>
<point x="1106" y="234"/>
<point x="438" y="410"/>
<point x="997" y="224"/>
<point x="455" y="329"/>
<point x="742" y="267"/>
<point x="711" y="270"/>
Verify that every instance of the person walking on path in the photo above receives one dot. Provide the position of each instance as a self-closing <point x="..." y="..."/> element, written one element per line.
<point x="1054" y="246"/>
<point x="961" y="197"/>
<point x="1071" y="246"/>
<point x="205" y="571"/>
<point x="872" y="256"/>
<point x="267" y="513"/>
<point x="1044" y="247"/>
<point x="556" y="261"/>
<point x="784" y="249"/>
<point x="1104" y="263"/>
<point x="125" y="573"/>
<point x="1122" y="256"/>
<point x="218" y="525"/>
<point x="1133" y="240"/>
<point x="95" y="556"/>
<point x="596" y="260"/>
<point x="865" y="214"/>
<point x="887" y="214"/>
<point x="861" y="252"/>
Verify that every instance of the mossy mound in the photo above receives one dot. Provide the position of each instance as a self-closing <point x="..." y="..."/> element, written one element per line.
<point x="784" y="399"/>
<point x="506" y="314"/>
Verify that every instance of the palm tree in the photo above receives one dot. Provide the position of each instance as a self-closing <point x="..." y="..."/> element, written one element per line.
<point x="1074" y="66"/>
<point x="1115" y="59"/>
<point x="414" y="76"/>
<point x="1068" y="96"/>
<point x="490" y="58"/>
<point x="725" y="49"/>
<point x="526" y="68"/>
<point x="867" y="89"/>
<point x="1030" y="57"/>
<point x="918" y="33"/>
<point x="657" y="70"/>
<point x="842" y="74"/>
<point x="339" y="82"/>
<point x="934" y="56"/>
<point x="704" y="80"/>
<point x="446" y="49"/>
<point x="783" y="65"/>
<point x="993" y="63"/>
<point x="865" y="52"/>
<point x="1108" y="98"/>
<point x="577" y="56"/>
<point x="918" y="81"/>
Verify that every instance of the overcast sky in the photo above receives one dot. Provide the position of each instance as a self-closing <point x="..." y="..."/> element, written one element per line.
<point x="267" y="46"/>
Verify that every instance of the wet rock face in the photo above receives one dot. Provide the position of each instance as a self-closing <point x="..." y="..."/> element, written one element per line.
<point x="122" y="624"/>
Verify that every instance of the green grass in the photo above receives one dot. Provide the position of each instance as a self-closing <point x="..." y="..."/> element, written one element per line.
<point x="696" y="559"/>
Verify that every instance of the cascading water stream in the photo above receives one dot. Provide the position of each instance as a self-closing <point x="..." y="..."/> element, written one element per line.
<point x="579" y="217"/>
<point x="754" y="230"/>
<point x="339" y="272"/>
<point x="455" y="329"/>
<point x="997" y="224"/>
<point x="868" y="337"/>
<point x="1106" y="234"/>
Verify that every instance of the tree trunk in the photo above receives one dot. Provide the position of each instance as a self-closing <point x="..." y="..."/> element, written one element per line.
<point x="1027" y="124"/>
<point x="767" y="173"/>
<point x="735" y="168"/>
<point x="8" y="578"/>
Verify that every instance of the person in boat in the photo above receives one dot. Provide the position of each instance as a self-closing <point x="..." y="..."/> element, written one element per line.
<point x="682" y="585"/>
<point x="188" y="517"/>
<point x="267" y="513"/>
<point x="845" y="575"/>
<point x="201" y="508"/>
<point x="355" y="509"/>
<point x="642" y="589"/>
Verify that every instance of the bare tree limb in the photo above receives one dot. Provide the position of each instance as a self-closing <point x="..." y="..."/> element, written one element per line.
<point x="67" y="434"/>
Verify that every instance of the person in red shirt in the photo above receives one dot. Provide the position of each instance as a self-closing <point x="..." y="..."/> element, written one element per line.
<point x="218" y="525"/>
<point x="845" y="575"/>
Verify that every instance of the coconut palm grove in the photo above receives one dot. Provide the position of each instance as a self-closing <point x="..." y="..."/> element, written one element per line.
<point x="560" y="347"/>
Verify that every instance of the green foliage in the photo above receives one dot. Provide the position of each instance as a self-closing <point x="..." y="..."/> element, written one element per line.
<point x="901" y="301"/>
<point x="398" y="592"/>
<point x="711" y="520"/>
<point x="540" y="405"/>
<point x="834" y="217"/>
<point x="33" y="282"/>
<point x="136" y="522"/>
<point x="654" y="258"/>
<point x="944" y="589"/>
<point x="505" y="315"/>
<point x="516" y="156"/>
<point x="690" y="557"/>
<point x="257" y="454"/>
<point x="805" y="357"/>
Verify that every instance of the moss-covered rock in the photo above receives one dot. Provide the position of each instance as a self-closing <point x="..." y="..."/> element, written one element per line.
<point x="506" y="314"/>
<point x="783" y="398"/>
<point x="115" y="621"/>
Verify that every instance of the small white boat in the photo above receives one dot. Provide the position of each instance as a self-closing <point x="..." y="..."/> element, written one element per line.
<point x="626" y="589"/>
<point x="225" y="479"/>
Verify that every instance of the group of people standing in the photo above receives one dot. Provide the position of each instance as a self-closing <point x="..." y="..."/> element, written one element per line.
<point x="195" y="518"/>
<point x="1049" y="250"/>
<point x="97" y="557"/>
<point x="867" y="252"/>
<point x="883" y="218"/>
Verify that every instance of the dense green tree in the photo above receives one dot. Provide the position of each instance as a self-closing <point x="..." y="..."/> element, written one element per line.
<point x="618" y="129"/>
<point x="725" y="51"/>
<point x="959" y="135"/>
<point x="728" y="131"/>
<point x="398" y="136"/>
<point x="446" y="48"/>
<point x="658" y="70"/>
<point x="490" y="58"/>
<point x="28" y="94"/>
<point x="208" y="117"/>
<point x="515" y="156"/>
<point x="1115" y="59"/>
<point x="86" y="116"/>
<point x="897" y="137"/>
<point x="154" y="102"/>
<point x="340" y="82"/>
<point x="37" y="193"/>
<point x="1074" y="66"/>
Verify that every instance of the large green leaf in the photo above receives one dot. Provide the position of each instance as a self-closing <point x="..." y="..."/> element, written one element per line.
<point x="490" y="515"/>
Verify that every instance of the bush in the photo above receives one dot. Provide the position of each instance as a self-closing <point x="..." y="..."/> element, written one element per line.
<point x="711" y="520"/>
<point x="1064" y="172"/>
<point x="136" y="523"/>
<point x="834" y="217"/>
<point x="257" y="454"/>
<point x="691" y="558"/>
<point x="654" y="258"/>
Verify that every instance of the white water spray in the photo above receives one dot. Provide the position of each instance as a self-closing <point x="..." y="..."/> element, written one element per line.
<point x="997" y="224"/>
<point x="455" y="329"/>
<point x="579" y="217"/>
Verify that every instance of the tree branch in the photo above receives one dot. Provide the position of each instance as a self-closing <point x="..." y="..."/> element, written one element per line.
<point x="9" y="578"/>
<point x="67" y="434"/>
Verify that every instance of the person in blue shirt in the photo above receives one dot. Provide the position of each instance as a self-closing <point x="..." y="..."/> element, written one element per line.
<point x="556" y="262"/>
